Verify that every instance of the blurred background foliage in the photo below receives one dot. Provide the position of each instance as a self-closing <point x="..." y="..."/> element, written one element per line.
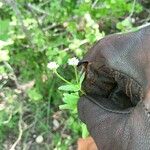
<point x="35" y="32"/>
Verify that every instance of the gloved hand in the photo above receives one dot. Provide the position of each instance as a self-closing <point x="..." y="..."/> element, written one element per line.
<point x="117" y="84"/>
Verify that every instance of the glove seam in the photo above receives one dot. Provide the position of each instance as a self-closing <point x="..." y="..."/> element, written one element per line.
<point x="106" y="109"/>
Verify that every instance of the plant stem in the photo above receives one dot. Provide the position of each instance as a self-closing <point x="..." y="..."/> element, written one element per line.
<point x="61" y="77"/>
<point x="76" y="75"/>
<point x="20" y="130"/>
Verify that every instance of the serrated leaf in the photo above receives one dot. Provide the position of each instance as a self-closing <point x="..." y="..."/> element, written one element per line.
<point x="70" y="87"/>
<point x="71" y="99"/>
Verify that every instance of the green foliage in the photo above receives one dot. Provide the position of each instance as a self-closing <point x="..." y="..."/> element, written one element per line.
<point x="34" y="33"/>
<point x="34" y="95"/>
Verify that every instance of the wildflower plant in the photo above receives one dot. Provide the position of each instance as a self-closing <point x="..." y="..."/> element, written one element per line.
<point x="71" y="90"/>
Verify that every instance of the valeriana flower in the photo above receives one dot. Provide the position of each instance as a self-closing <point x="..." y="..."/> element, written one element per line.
<point x="52" y="65"/>
<point x="73" y="61"/>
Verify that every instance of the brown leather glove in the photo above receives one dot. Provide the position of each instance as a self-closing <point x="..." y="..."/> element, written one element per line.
<point x="116" y="105"/>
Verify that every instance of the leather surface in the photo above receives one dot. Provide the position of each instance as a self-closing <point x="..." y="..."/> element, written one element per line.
<point x="117" y="75"/>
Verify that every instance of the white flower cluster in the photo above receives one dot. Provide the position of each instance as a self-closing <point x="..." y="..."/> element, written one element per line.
<point x="52" y="65"/>
<point x="73" y="61"/>
<point x="1" y="4"/>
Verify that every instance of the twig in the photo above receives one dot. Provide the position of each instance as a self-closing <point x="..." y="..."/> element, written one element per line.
<point x="36" y="18"/>
<point x="29" y="5"/>
<point x="45" y="3"/>
<point x="8" y="120"/>
<point x="54" y="25"/>
<point x="95" y="2"/>
<point x="20" y="131"/>
<point x="133" y="7"/>
<point x="14" y="5"/>
<point x="144" y="25"/>
<point x="14" y="78"/>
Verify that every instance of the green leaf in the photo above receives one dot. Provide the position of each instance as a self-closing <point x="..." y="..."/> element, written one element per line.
<point x="34" y="95"/>
<point x="2" y="70"/>
<point x="70" y="97"/>
<point x="65" y="106"/>
<point x="125" y="25"/>
<point x="85" y="132"/>
<point x="71" y="100"/>
<point x="70" y="87"/>
<point x="4" y="28"/>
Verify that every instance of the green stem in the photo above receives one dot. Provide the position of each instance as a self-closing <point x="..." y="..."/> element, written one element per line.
<point x="58" y="75"/>
<point x="76" y="75"/>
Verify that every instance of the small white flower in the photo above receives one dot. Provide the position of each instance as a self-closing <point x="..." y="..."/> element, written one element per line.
<point x="5" y="76"/>
<point x="73" y="61"/>
<point x="52" y="65"/>
<point x="1" y="77"/>
<point x="2" y="106"/>
<point x="133" y="20"/>
<point x="87" y="17"/>
<point x="17" y="91"/>
<point x="65" y="24"/>
<point x="4" y="55"/>
<point x="1" y="4"/>
<point x="39" y="139"/>
<point x="2" y="94"/>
